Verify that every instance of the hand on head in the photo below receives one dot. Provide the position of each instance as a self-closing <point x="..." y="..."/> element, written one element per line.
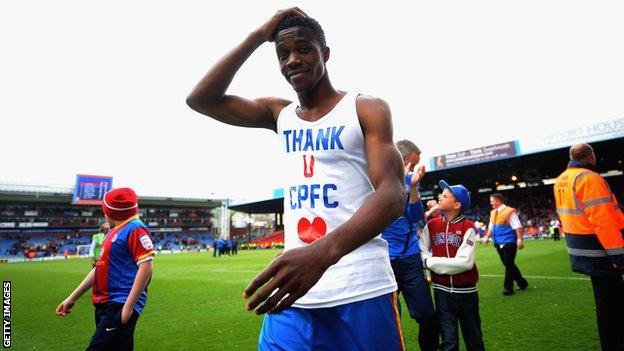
<point x="268" y="28"/>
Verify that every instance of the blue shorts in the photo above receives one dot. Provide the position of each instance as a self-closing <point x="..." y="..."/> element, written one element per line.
<point x="372" y="324"/>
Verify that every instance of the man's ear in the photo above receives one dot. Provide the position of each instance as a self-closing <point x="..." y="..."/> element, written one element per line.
<point x="326" y="54"/>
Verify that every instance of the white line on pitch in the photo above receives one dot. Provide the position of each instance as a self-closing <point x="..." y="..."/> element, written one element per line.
<point x="534" y="277"/>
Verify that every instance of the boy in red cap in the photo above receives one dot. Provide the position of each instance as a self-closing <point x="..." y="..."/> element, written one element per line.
<point x="121" y="274"/>
<point x="447" y="247"/>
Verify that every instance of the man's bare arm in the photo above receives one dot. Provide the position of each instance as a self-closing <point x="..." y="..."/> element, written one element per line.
<point x="419" y="173"/>
<point x="519" y="236"/>
<point x="209" y="95"/>
<point x="486" y="237"/>
<point x="386" y="173"/>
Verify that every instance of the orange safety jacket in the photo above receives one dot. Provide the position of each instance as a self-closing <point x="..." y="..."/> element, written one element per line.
<point x="502" y="232"/>
<point x="591" y="220"/>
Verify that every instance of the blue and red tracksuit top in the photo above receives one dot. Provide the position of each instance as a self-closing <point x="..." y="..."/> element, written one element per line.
<point x="124" y="248"/>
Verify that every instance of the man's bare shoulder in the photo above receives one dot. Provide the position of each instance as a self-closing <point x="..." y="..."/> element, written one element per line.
<point x="372" y="111"/>
<point x="369" y="103"/>
<point x="274" y="104"/>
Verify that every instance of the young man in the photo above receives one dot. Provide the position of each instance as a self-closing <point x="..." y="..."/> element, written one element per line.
<point x="506" y="231"/>
<point x="345" y="185"/>
<point x="121" y="274"/>
<point x="96" y="242"/>
<point x="402" y="238"/>
<point x="448" y="248"/>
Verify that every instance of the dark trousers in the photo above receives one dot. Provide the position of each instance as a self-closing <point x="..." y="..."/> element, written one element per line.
<point x="412" y="284"/>
<point x="508" y="256"/>
<point x="110" y="334"/>
<point x="454" y="307"/>
<point x="609" y="296"/>
<point x="556" y="234"/>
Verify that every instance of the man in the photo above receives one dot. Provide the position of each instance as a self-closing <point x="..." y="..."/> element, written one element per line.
<point x="506" y="230"/>
<point x="234" y="247"/>
<point x="593" y="226"/>
<point x="121" y="275"/>
<point x="404" y="251"/>
<point x="221" y="247"/>
<point x="215" y="247"/>
<point x="228" y="247"/>
<point x="345" y="185"/>
<point x="96" y="242"/>
<point x="555" y="224"/>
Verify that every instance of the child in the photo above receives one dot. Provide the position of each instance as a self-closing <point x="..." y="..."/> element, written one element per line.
<point x="121" y="274"/>
<point x="447" y="247"/>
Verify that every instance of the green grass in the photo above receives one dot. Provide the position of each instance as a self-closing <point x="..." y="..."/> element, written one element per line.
<point x="195" y="303"/>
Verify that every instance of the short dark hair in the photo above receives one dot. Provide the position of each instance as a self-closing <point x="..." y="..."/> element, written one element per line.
<point x="406" y="148"/>
<point x="499" y="197"/>
<point x="296" y="20"/>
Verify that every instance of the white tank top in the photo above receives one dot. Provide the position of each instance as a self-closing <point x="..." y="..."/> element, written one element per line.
<point x="327" y="181"/>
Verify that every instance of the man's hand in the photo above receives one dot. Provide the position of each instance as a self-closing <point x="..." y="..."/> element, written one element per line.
<point x="520" y="243"/>
<point x="267" y="29"/>
<point x="417" y="175"/>
<point x="126" y="313"/>
<point x="485" y="240"/>
<point x="290" y="275"/>
<point x="64" y="308"/>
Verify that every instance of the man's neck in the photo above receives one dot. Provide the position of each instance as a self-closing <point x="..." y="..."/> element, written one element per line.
<point x="581" y="164"/>
<point x="319" y="100"/>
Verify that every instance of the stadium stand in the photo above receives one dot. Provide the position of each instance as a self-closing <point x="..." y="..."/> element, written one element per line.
<point x="275" y="240"/>
<point x="40" y="221"/>
<point x="526" y="181"/>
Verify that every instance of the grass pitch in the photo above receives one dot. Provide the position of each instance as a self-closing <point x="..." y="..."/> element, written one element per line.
<point x="194" y="303"/>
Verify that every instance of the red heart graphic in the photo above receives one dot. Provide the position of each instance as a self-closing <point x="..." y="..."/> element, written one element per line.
<point x="309" y="232"/>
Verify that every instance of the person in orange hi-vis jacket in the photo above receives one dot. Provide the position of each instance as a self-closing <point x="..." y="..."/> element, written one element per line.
<point x="593" y="225"/>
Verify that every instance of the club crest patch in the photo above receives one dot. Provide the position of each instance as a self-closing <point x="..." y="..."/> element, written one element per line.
<point x="146" y="242"/>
